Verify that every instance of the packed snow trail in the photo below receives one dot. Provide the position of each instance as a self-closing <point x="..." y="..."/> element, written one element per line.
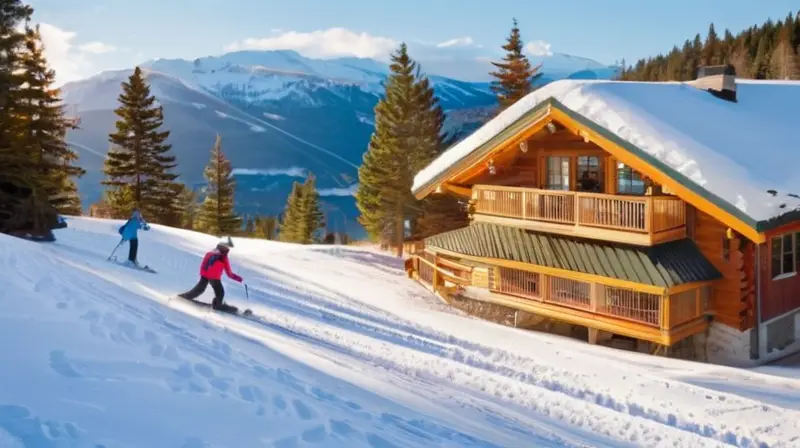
<point x="342" y="351"/>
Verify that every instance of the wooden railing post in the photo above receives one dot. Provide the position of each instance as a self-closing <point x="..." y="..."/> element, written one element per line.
<point x="665" y="304"/>
<point x="648" y="215"/>
<point x="524" y="204"/>
<point x="577" y="217"/>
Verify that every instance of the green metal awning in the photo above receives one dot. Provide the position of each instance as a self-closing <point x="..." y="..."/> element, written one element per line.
<point x="664" y="265"/>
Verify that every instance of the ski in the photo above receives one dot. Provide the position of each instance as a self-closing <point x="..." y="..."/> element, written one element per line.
<point x="134" y="267"/>
<point x="230" y="309"/>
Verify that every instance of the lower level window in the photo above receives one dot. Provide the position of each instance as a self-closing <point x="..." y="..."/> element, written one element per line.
<point x="784" y="254"/>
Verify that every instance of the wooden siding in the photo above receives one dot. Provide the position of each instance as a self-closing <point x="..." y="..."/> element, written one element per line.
<point x="781" y="295"/>
<point x="731" y="299"/>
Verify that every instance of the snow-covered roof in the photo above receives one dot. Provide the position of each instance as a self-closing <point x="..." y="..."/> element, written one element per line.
<point x="736" y="151"/>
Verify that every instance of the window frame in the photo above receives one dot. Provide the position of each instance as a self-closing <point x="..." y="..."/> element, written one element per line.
<point x="564" y="176"/>
<point x="590" y="167"/>
<point x="779" y="253"/>
<point x="630" y="176"/>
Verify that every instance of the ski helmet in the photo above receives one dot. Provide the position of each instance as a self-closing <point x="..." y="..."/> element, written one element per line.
<point x="225" y="242"/>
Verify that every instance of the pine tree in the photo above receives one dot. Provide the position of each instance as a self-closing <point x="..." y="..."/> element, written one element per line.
<point x="265" y="227"/>
<point x="138" y="168"/>
<point x="783" y="61"/>
<point x="384" y="176"/>
<point x="515" y="76"/>
<point x="13" y="158"/>
<point x="46" y="126"/>
<point x="311" y="217"/>
<point x="712" y="50"/>
<point x="189" y="207"/>
<point x="217" y="214"/>
<point x="290" y="227"/>
<point x="407" y="137"/>
<point x="250" y="225"/>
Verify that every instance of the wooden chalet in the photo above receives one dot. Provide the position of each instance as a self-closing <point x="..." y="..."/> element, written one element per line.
<point x="573" y="220"/>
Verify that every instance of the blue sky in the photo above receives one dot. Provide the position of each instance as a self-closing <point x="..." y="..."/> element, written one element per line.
<point x="87" y="36"/>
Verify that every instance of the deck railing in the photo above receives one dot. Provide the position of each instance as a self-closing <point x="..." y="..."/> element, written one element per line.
<point x="638" y="214"/>
<point x="662" y="312"/>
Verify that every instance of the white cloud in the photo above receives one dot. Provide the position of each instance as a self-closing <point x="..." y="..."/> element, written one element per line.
<point x="97" y="48"/>
<point x="70" y="61"/>
<point x="457" y="42"/>
<point x="349" y="191"/>
<point x="539" y="48"/>
<point x="329" y="43"/>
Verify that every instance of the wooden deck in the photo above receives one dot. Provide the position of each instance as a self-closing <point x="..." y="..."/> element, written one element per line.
<point x="663" y="317"/>
<point x="640" y="220"/>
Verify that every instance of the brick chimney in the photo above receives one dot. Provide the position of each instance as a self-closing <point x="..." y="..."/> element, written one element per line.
<point x="719" y="80"/>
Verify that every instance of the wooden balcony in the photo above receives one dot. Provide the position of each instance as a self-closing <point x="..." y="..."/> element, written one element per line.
<point x="640" y="220"/>
<point x="660" y="318"/>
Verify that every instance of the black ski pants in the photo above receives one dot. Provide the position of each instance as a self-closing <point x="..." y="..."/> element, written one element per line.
<point x="133" y="249"/>
<point x="200" y="287"/>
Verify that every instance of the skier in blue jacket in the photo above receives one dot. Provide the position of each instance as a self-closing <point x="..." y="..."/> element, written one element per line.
<point x="130" y="233"/>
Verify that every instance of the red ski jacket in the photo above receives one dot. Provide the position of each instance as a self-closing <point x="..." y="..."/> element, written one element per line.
<point x="214" y="263"/>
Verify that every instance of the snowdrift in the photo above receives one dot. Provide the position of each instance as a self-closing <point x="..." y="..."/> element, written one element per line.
<point x="344" y="352"/>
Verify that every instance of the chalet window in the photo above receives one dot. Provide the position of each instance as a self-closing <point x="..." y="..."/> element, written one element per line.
<point x="590" y="175"/>
<point x="629" y="181"/>
<point x="783" y="254"/>
<point x="558" y="173"/>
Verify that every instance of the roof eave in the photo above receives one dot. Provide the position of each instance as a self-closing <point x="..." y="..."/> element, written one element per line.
<point x="543" y="109"/>
<point x="531" y="117"/>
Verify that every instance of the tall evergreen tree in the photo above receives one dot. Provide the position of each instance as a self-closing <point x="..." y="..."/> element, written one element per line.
<point x="515" y="75"/>
<point x="291" y="215"/>
<point x="311" y="218"/>
<point x="45" y="128"/>
<point x="138" y="167"/>
<point x="189" y="207"/>
<point x="408" y="135"/>
<point x="302" y="216"/>
<point x="13" y="158"/>
<point x="385" y="176"/>
<point x="217" y="214"/>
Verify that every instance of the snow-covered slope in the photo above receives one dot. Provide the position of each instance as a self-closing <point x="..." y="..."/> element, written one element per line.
<point x="347" y="352"/>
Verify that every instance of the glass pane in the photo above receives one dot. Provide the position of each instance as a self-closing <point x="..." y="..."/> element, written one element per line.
<point x="589" y="174"/>
<point x="558" y="173"/>
<point x="776" y="256"/>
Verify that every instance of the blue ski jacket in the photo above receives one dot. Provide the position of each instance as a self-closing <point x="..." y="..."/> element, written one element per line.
<point x="130" y="230"/>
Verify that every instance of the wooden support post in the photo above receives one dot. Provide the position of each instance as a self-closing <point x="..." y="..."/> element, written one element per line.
<point x="436" y="277"/>
<point x="593" y="334"/>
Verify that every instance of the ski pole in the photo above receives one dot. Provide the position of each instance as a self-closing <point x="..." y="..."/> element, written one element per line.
<point x="246" y="293"/>
<point x="115" y="248"/>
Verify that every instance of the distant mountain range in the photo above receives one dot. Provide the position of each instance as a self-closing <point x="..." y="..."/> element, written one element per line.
<point x="281" y="115"/>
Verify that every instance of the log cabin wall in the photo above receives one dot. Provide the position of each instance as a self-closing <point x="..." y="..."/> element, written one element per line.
<point x="733" y="295"/>
<point x="529" y="168"/>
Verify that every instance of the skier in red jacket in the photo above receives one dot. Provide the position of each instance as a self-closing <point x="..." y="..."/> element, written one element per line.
<point x="214" y="263"/>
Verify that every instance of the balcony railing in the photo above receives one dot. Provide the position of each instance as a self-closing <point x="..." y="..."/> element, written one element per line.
<point x="654" y="317"/>
<point x="636" y="219"/>
<point x="663" y="312"/>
